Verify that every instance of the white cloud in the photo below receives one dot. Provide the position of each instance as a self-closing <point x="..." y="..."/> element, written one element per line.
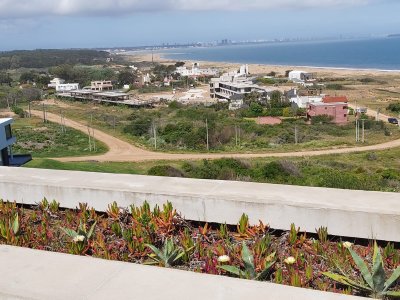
<point x="29" y="8"/>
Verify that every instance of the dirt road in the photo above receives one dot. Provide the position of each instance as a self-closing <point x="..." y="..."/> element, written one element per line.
<point x="121" y="151"/>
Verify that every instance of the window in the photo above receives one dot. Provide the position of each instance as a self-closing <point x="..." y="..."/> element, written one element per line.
<point x="8" y="132"/>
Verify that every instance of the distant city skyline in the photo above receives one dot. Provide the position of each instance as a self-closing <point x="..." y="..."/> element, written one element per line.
<point x="35" y="24"/>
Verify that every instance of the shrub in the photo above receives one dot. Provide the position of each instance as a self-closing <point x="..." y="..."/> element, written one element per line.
<point x="18" y="111"/>
<point x="164" y="170"/>
<point x="394" y="107"/>
<point x="334" y="86"/>
<point x="323" y="119"/>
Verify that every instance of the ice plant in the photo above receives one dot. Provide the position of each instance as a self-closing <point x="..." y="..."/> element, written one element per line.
<point x="250" y="270"/>
<point x="290" y="260"/>
<point x="80" y="238"/>
<point x="374" y="283"/>
<point x="224" y="259"/>
<point x="347" y="245"/>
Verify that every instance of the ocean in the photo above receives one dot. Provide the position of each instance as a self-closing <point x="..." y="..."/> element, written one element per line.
<point x="379" y="53"/>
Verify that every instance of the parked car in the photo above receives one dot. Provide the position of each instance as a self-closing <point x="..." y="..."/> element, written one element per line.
<point x="393" y="121"/>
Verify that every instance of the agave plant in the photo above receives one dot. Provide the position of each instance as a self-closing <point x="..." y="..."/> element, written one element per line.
<point x="375" y="283"/>
<point x="168" y="256"/>
<point x="250" y="270"/>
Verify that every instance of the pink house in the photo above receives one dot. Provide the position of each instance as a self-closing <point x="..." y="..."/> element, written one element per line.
<point x="337" y="110"/>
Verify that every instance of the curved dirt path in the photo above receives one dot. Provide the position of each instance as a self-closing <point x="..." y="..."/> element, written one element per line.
<point x="121" y="151"/>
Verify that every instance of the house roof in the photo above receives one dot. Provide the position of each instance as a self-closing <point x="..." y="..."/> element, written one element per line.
<point x="332" y="99"/>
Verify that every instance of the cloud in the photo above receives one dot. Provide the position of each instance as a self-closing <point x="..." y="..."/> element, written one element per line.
<point x="31" y="8"/>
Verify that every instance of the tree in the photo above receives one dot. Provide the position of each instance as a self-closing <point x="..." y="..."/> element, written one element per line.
<point x="27" y="77"/>
<point x="126" y="77"/>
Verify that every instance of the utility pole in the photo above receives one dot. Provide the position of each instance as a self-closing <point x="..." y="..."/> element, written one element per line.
<point x="44" y="114"/>
<point x="155" y="135"/>
<point x="236" y="135"/>
<point x="90" y="142"/>
<point x="363" y="131"/>
<point x="295" y="135"/>
<point x="208" y="146"/>
<point x="29" y="105"/>
<point x="377" y="114"/>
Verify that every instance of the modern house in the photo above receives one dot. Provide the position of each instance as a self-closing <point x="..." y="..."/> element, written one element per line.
<point x="195" y="71"/>
<point x="337" y="110"/>
<point x="301" y="99"/>
<point x="300" y="76"/>
<point x="101" y="85"/>
<point x="234" y="85"/>
<point x="6" y="141"/>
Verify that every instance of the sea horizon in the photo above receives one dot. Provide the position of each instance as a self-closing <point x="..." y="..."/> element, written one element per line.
<point x="373" y="54"/>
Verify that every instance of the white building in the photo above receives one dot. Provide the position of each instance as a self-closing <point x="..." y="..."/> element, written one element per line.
<point x="6" y="141"/>
<point x="101" y="85"/>
<point x="300" y="76"/>
<point x="67" y="87"/>
<point x="303" y="101"/>
<point x="233" y="84"/>
<point x="56" y="81"/>
<point x="195" y="71"/>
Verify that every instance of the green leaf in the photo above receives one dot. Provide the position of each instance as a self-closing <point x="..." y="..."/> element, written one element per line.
<point x="392" y="279"/>
<point x="15" y="226"/>
<point x="233" y="270"/>
<point x="159" y="254"/>
<point x="90" y="233"/>
<point x="378" y="272"/>
<point x="347" y="281"/>
<point x="265" y="272"/>
<point x="70" y="232"/>
<point x="363" y="268"/>
<point x="395" y="294"/>
<point x="248" y="260"/>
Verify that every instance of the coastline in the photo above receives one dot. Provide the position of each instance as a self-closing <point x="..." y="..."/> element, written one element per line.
<point x="263" y="68"/>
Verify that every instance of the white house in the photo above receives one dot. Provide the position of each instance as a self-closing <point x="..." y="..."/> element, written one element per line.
<point x="195" y="71"/>
<point x="56" y="81"/>
<point x="6" y="141"/>
<point x="300" y="76"/>
<point x="67" y="87"/>
<point x="304" y="101"/>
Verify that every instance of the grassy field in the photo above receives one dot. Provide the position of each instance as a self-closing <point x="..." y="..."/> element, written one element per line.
<point x="183" y="129"/>
<point x="376" y="171"/>
<point x="48" y="140"/>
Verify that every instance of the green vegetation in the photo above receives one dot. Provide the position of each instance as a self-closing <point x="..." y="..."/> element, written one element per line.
<point x="376" y="171"/>
<point x="50" y="140"/>
<point x="394" y="107"/>
<point x="161" y="236"/>
<point x="48" y="58"/>
<point x="185" y="128"/>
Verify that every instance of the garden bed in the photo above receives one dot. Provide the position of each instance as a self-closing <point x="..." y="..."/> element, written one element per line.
<point x="160" y="236"/>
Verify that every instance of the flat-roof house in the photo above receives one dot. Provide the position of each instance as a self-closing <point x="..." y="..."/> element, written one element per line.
<point x="101" y="85"/>
<point x="302" y="77"/>
<point x="337" y="110"/>
<point x="67" y="87"/>
<point x="6" y="141"/>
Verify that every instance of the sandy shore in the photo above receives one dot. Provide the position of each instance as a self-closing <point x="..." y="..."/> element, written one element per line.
<point x="264" y="69"/>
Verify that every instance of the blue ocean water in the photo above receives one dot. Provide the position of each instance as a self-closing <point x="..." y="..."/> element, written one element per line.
<point x="382" y="54"/>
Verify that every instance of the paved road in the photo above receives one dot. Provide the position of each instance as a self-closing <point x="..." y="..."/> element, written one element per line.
<point x="121" y="151"/>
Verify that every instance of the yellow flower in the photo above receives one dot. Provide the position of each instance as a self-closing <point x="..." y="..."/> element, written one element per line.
<point x="224" y="259"/>
<point x="347" y="245"/>
<point x="78" y="238"/>
<point x="290" y="260"/>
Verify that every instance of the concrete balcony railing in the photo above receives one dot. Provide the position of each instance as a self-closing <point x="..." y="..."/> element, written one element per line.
<point x="357" y="214"/>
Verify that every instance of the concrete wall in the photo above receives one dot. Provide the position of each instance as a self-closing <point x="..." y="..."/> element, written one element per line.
<point x="345" y="213"/>
<point x="31" y="274"/>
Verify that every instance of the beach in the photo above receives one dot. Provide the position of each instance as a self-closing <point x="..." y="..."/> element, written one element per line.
<point x="259" y="69"/>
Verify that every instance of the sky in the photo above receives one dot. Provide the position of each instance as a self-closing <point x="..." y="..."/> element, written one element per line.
<point x="34" y="24"/>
